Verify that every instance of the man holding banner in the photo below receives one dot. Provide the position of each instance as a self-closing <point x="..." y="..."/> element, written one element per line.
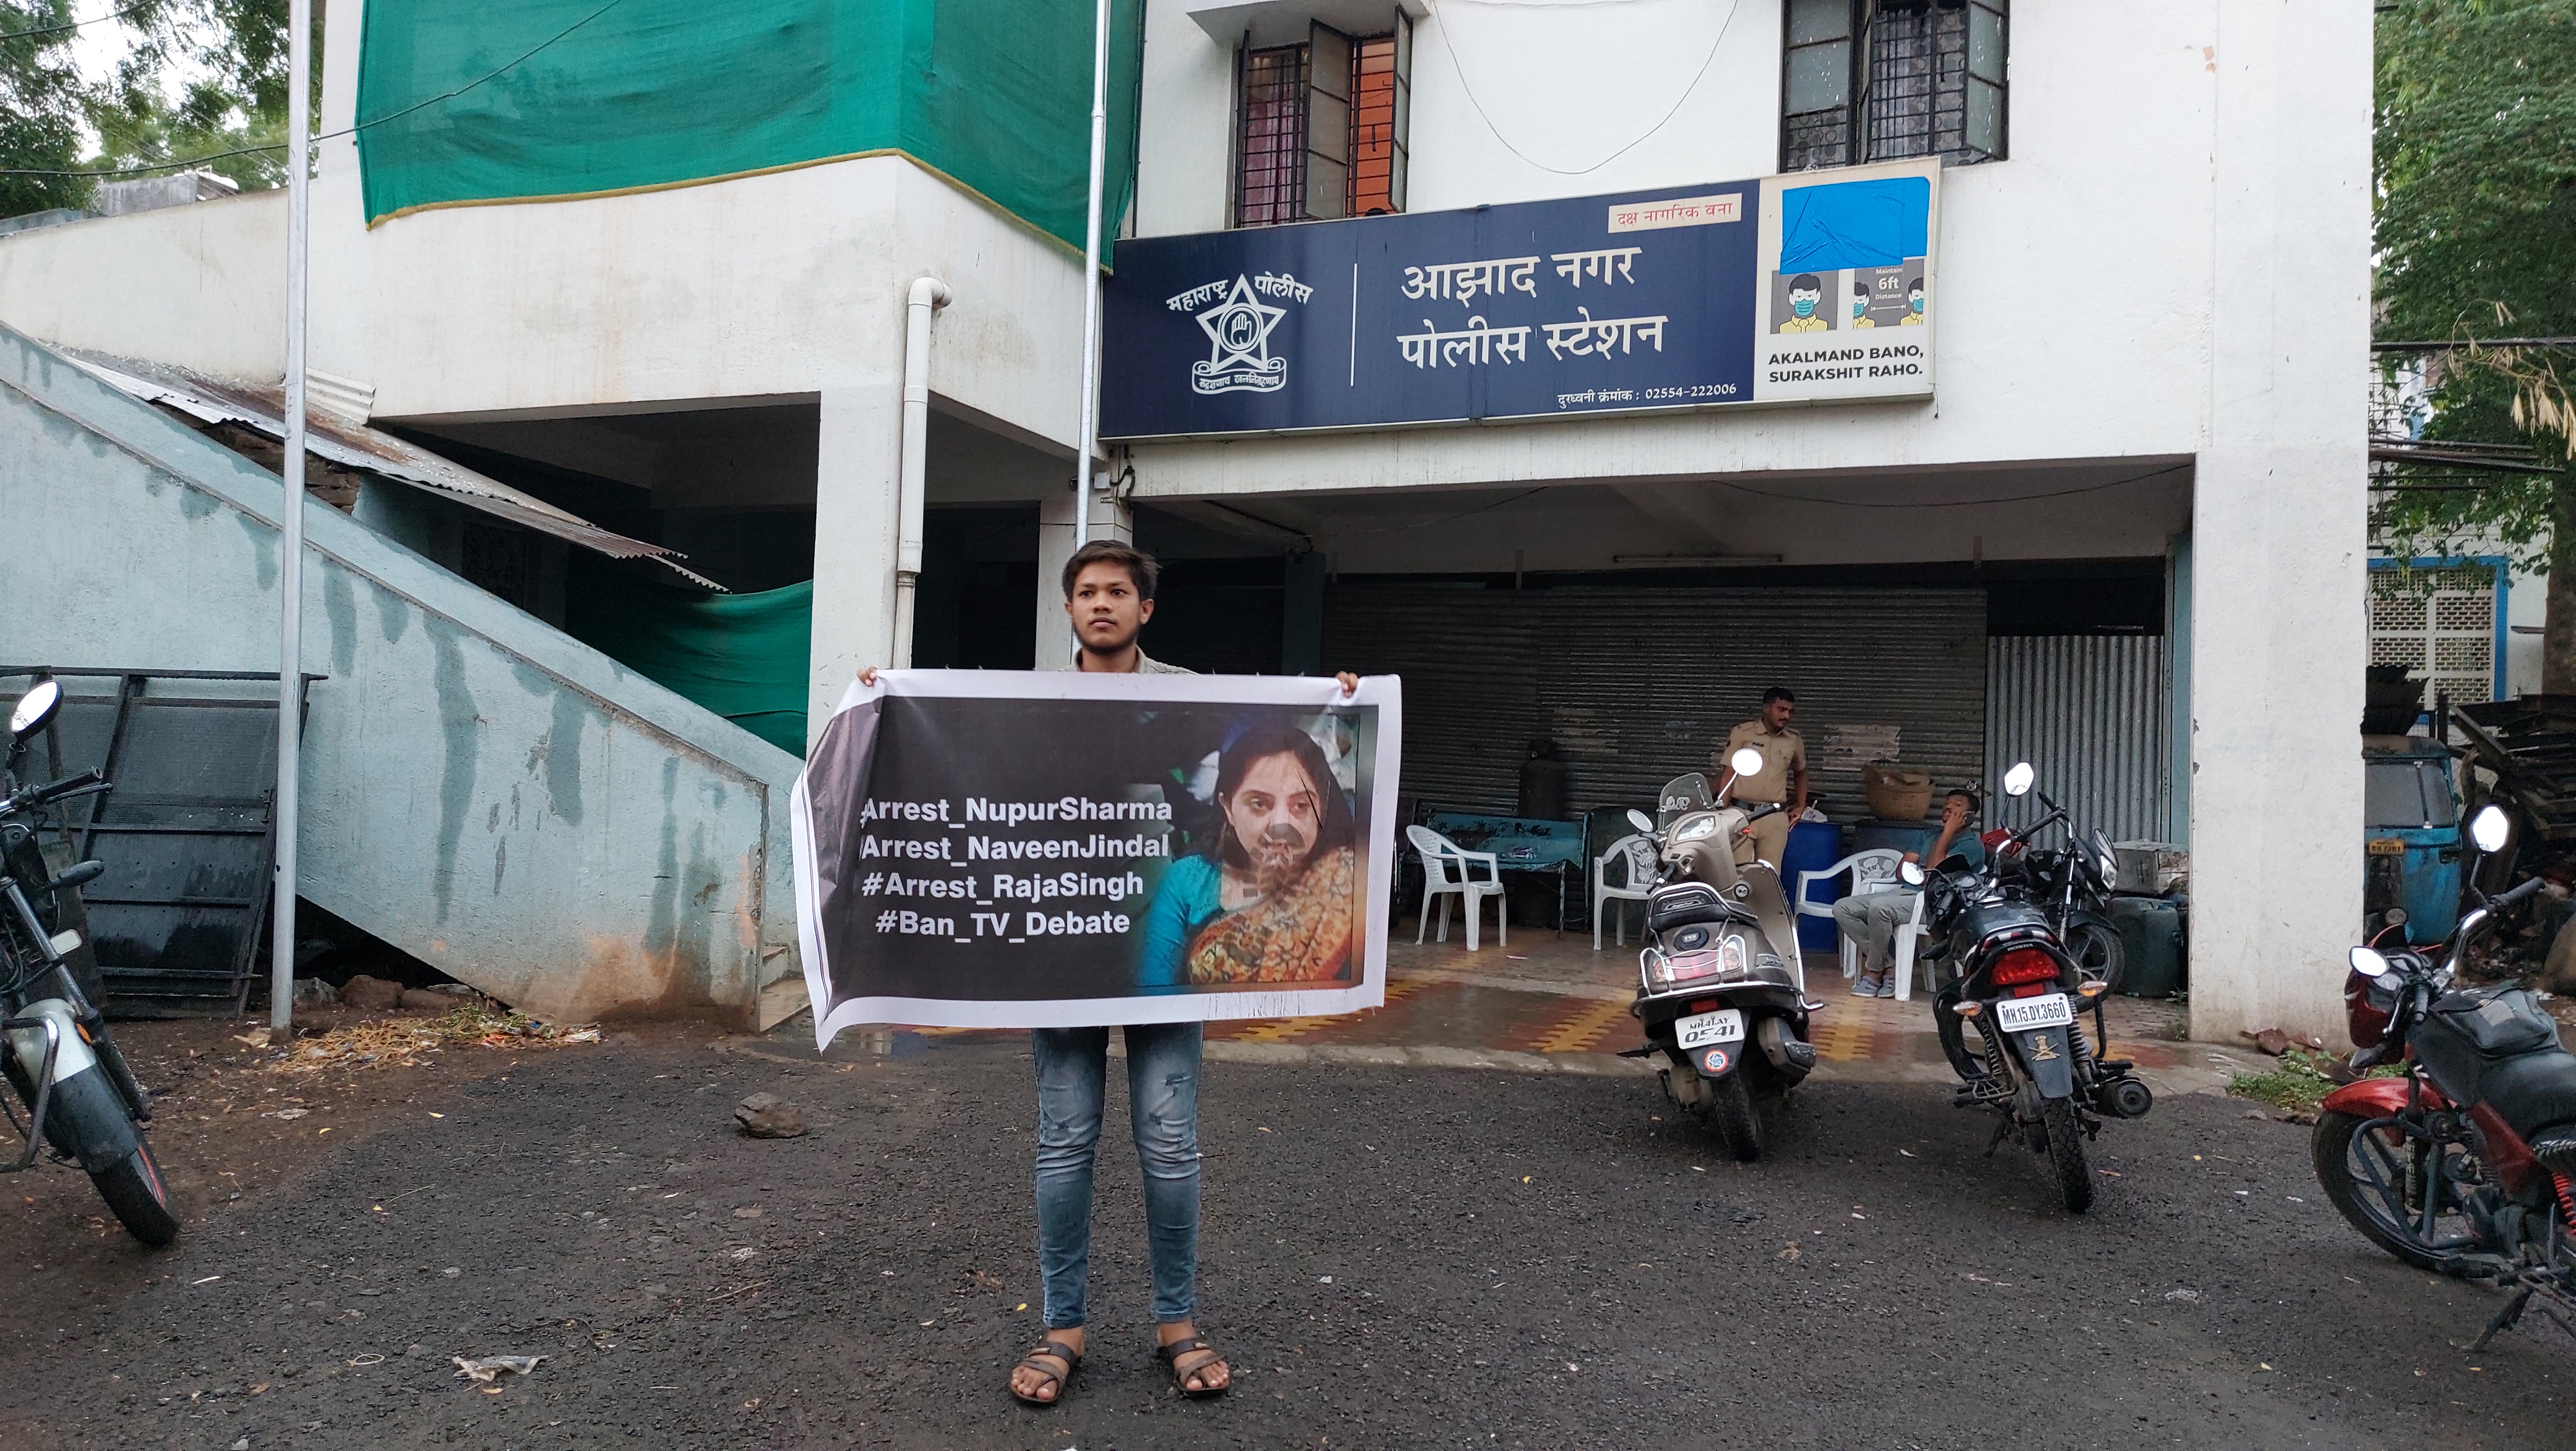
<point x="1249" y="821"/>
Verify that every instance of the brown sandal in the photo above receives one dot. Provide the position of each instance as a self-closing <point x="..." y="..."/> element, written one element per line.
<point x="1171" y="1357"/>
<point x="1037" y="1360"/>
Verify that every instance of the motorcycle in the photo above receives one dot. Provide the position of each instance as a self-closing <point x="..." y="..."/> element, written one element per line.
<point x="2074" y="882"/>
<point x="2011" y="978"/>
<point x="2465" y="1164"/>
<point x="1720" y="993"/>
<point x="81" y="1099"/>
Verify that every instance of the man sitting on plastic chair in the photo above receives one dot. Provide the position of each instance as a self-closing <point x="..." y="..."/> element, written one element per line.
<point x="1869" y="920"/>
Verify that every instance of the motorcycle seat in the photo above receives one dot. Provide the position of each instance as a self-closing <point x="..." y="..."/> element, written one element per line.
<point x="2533" y="1091"/>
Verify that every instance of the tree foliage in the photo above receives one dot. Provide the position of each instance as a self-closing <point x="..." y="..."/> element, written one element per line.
<point x="196" y="78"/>
<point x="42" y="106"/>
<point x="2475" y="155"/>
<point x="234" y="101"/>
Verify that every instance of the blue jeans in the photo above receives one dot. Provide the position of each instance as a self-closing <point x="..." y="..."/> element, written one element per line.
<point x="1163" y="1111"/>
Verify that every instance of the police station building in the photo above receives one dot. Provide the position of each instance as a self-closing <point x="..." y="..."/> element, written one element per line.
<point x="1991" y="376"/>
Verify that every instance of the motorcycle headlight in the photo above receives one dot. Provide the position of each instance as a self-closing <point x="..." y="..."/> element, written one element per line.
<point x="2108" y="865"/>
<point x="1695" y="829"/>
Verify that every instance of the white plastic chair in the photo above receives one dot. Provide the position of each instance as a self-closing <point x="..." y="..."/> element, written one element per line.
<point x="1900" y="960"/>
<point x="1873" y="870"/>
<point x="1637" y="881"/>
<point x="1439" y="856"/>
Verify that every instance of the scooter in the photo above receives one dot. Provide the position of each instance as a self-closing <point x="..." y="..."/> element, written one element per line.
<point x="1716" y="996"/>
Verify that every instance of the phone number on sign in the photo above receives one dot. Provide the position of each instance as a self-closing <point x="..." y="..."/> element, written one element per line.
<point x="1646" y="395"/>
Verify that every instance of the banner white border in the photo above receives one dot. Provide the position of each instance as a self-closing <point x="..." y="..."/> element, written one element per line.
<point x="1386" y="692"/>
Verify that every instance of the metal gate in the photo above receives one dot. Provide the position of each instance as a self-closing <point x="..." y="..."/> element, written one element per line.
<point x="187" y="833"/>
<point x="1636" y="685"/>
<point x="2089" y="714"/>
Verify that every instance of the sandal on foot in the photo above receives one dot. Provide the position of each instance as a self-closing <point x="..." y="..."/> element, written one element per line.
<point x="1043" y="1360"/>
<point x="1171" y="1355"/>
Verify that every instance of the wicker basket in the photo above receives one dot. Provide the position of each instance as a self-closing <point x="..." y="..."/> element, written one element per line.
<point x="1894" y="793"/>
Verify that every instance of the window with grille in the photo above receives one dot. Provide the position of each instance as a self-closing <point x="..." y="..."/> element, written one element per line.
<point x="2439" y="624"/>
<point x="1322" y="128"/>
<point x="1881" y="80"/>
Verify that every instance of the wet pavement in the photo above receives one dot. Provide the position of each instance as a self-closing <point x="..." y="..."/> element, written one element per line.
<point x="1548" y="1002"/>
<point x="1392" y="1257"/>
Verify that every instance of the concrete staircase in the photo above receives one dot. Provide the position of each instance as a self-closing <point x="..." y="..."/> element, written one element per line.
<point x="480" y="789"/>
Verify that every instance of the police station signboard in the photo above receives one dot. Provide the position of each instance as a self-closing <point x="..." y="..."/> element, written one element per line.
<point x="1789" y="289"/>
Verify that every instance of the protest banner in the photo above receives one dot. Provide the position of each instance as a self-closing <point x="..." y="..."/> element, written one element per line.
<point x="1007" y="849"/>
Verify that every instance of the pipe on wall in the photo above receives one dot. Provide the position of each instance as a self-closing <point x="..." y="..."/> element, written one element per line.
<point x="929" y="294"/>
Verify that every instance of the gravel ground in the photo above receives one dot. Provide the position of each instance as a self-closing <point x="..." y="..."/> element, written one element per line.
<point x="1394" y="1258"/>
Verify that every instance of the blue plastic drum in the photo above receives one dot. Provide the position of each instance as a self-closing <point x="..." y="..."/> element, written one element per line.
<point x="1814" y="846"/>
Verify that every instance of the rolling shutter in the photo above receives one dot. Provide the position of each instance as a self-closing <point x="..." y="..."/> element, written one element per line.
<point x="1637" y="685"/>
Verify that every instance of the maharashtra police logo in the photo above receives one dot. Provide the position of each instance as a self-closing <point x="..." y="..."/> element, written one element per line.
<point x="1238" y="329"/>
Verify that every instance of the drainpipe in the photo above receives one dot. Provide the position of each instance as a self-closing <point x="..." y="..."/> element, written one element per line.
<point x="928" y="295"/>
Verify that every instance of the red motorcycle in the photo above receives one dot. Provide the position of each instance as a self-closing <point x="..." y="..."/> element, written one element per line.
<point x="2464" y="1165"/>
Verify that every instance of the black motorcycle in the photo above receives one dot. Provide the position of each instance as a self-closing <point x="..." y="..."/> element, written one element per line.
<point x="82" y="1100"/>
<point x="2009" y="976"/>
<point x="2072" y="882"/>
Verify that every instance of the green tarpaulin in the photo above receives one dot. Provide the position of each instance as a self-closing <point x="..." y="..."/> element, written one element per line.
<point x="742" y="656"/>
<point x="463" y="102"/>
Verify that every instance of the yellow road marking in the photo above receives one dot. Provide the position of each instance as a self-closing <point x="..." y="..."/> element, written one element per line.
<point x="1579" y="1033"/>
<point x="1843" y="1040"/>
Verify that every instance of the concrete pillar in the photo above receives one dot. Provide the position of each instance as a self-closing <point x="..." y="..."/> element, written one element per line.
<point x="2279" y="544"/>
<point x="1110" y="519"/>
<point x="860" y="453"/>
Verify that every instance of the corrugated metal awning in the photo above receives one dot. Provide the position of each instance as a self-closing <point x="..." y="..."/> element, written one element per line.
<point x="368" y="450"/>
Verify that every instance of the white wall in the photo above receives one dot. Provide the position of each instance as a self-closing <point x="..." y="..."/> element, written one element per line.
<point x="2075" y="277"/>
<point x="2278" y="535"/>
<point x="2526" y="608"/>
<point x="202" y="285"/>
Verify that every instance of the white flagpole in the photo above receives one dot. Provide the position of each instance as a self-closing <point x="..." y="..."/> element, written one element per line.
<point x="290" y="576"/>
<point x="1090" y="431"/>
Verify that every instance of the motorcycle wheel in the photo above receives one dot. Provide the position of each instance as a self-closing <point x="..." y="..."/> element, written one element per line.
<point x="1738" y="1121"/>
<point x="2095" y="946"/>
<point x="2066" y="1154"/>
<point x="2384" y="1198"/>
<point x="140" y="1200"/>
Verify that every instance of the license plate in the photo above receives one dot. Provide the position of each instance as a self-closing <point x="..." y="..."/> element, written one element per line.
<point x="2015" y="1015"/>
<point x="1726" y="1025"/>
<point x="2387" y="846"/>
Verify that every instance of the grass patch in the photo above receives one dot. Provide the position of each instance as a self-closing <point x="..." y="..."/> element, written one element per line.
<point x="2299" y="1082"/>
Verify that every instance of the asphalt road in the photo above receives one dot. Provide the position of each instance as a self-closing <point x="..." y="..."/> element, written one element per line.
<point x="1394" y="1258"/>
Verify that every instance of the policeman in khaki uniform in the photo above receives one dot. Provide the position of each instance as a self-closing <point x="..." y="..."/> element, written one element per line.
<point x="1784" y="779"/>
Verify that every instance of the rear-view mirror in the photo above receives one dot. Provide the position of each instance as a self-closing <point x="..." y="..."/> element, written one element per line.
<point x="2017" y="780"/>
<point x="1641" y="821"/>
<point x="1910" y="873"/>
<point x="1746" y="762"/>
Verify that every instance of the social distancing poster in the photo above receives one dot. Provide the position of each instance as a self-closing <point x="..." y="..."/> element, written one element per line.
<point x="1001" y="849"/>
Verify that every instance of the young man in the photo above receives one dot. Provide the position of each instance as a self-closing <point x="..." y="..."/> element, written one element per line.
<point x="1782" y="779"/>
<point x="1108" y="597"/>
<point x="1869" y="920"/>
